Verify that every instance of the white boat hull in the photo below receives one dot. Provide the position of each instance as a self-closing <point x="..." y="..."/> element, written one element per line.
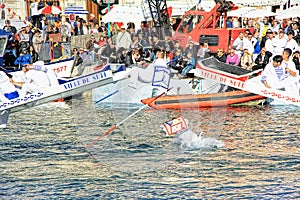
<point x="246" y="82"/>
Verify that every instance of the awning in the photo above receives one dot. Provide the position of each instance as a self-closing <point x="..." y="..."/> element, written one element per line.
<point x="124" y="14"/>
<point x="259" y="2"/>
<point x="289" y="13"/>
<point x="76" y="10"/>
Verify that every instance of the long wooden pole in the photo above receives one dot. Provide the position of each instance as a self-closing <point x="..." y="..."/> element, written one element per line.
<point x="124" y="120"/>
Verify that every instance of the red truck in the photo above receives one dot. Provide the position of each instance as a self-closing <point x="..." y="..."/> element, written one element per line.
<point x="201" y="26"/>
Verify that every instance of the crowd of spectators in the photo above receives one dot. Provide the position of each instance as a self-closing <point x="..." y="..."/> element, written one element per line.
<point x="136" y="45"/>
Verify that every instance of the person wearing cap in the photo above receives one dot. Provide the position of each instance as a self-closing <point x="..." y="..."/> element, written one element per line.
<point x="35" y="78"/>
<point x="123" y="38"/>
<point x="94" y="18"/>
<point x="265" y="38"/>
<point x="24" y="58"/>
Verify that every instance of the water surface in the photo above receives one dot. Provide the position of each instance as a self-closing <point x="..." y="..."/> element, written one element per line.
<point x="43" y="154"/>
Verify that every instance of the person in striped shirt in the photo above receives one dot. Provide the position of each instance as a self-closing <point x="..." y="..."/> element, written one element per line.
<point x="273" y="73"/>
<point x="282" y="74"/>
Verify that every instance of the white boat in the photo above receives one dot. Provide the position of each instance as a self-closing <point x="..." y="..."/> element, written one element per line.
<point x="63" y="87"/>
<point x="121" y="94"/>
<point x="236" y="77"/>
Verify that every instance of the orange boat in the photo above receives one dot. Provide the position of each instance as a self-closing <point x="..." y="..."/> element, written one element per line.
<point x="193" y="101"/>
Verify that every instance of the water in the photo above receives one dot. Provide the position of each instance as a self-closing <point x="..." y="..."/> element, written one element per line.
<point x="43" y="154"/>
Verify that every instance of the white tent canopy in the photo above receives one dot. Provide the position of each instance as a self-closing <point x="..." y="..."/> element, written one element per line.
<point x="240" y="12"/>
<point x="259" y="13"/>
<point x="125" y="14"/>
<point x="289" y="13"/>
<point x="259" y="2"/>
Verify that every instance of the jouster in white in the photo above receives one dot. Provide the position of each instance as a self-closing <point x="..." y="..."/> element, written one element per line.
<point x="7" y="89"/>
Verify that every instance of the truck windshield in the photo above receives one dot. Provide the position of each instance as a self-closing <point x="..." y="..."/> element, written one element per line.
<point x="189" y="22"/>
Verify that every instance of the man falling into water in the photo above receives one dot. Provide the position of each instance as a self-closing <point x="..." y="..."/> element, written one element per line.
<point x="145" y="75"/>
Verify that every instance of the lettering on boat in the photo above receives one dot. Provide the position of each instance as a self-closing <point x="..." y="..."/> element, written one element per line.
<point x="27" y="98"/>
<point x="223" y="79"/>
<point x="279" y="96"/>
<point x="60" y="69"/>
<point x="85" y="80"/>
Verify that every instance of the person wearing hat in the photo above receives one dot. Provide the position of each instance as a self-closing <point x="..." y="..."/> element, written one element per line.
<point x="123" y="38"/>
<point x="265" y="38"/>
<point x="24" y="58"/>
<point x="275" y="25"/>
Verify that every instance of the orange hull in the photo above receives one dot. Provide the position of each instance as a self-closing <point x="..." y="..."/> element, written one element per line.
<point x="201" y="100"/>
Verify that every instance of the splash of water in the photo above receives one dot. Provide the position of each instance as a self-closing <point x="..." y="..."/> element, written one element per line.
<point x="189" y="140"/>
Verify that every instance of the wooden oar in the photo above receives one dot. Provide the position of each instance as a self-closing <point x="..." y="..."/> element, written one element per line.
<point x="120" y="123"/>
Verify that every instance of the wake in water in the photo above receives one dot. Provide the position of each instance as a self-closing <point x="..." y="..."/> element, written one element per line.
<point x="189" y="140"/>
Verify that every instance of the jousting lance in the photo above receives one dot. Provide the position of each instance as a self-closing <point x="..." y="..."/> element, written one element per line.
<point x="124" y="120"/>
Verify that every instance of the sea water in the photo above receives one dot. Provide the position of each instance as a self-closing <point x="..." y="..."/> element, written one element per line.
<point x="44" y="154"/>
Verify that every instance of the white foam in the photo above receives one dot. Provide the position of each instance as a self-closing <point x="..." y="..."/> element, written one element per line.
<point x="191" y="141"/>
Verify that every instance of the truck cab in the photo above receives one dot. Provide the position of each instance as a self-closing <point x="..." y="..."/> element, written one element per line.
<point x="201" y="26"/>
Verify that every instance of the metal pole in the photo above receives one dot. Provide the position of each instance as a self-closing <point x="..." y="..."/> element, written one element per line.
<point x="108" y="24"/>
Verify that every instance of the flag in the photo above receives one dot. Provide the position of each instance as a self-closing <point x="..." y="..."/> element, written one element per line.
<point x="161" y="77"/>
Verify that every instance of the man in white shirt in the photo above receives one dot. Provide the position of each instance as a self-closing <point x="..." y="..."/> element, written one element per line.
<point x="35" y="80"/>
<point x="238" y="44"/>
<point x="247" y="43"/>
<point x="7" y="90"/>
<point x="291" y="82"/>
<point x="291" y="43"/>
<point x="145" y="75"/>
<point x="279" y="43"/>
<point x="269" y="43"/>
<point x="123" y="39"/>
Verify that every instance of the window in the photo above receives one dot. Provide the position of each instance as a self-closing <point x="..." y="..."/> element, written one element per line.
<point x="213" y="40"/>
